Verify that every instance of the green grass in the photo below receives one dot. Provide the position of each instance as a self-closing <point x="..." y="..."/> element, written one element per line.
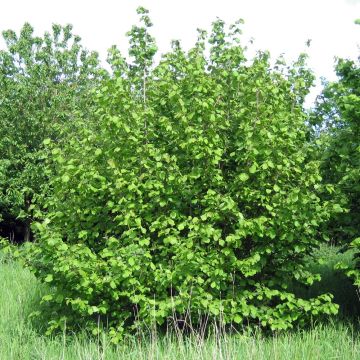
<point x="20" y="340"/>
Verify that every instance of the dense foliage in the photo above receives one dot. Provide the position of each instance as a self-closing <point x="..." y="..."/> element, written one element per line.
<point x="338" y="119"/>
<point x="44" y="82"/>
<point x="339" y="110"/>
<point x="197" y="197"/>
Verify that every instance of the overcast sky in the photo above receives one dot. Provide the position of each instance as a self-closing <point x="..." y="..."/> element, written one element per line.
<point x="281" y="26"/>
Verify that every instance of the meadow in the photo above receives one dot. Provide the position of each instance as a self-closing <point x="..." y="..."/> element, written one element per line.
<point x="23" y="338"/>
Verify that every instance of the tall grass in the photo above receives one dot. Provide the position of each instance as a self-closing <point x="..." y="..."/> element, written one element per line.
<point x="20" y="340"/>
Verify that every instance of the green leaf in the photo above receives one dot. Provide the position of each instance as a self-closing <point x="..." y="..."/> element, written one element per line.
<point x="238" y="319"/>
<point x="243" y="177"/>
<point x="48" y="278"/>
<point x="252" y="169"/>
<point x="65" y="178"/>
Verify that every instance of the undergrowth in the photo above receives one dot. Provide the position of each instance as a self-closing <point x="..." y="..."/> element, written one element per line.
<point x="22" y="338"/>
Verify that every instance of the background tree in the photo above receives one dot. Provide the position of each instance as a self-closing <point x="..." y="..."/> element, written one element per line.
<point x="339" y="112"/>
<point x="45" y="83"/>
<point x="338" y="121"/>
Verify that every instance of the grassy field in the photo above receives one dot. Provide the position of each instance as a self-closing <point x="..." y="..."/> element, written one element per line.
<point x="19" y="340"/>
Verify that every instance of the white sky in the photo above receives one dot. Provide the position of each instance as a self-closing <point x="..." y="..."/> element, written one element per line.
<point x="281" y="26"/>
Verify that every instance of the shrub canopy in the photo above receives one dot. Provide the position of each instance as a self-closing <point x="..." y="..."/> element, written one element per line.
<point x="196" y="197"/>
